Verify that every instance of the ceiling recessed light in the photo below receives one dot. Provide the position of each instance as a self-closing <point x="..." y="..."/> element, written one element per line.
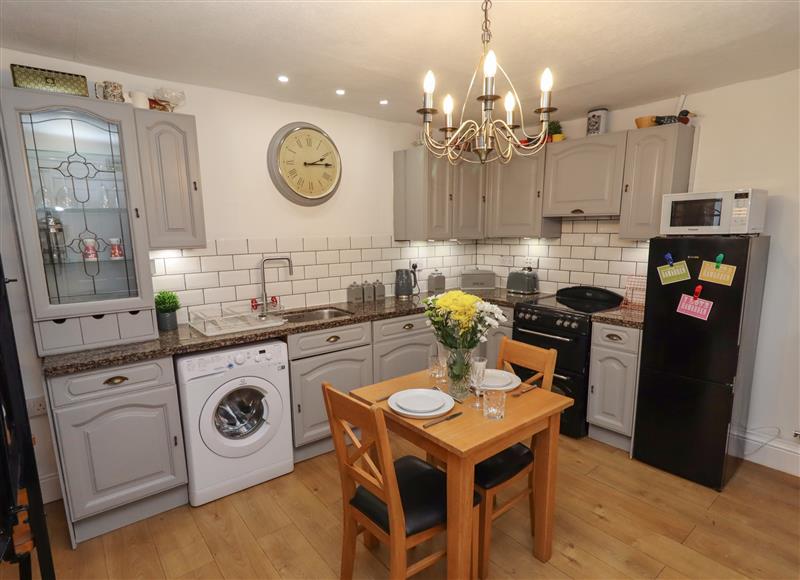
<point x="384" y="102"/>
<point x="340" y="92"/>
<point x="283" y="79"/>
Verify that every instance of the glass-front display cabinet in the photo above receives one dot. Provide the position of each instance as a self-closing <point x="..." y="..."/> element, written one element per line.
<point x="78" y="198"/>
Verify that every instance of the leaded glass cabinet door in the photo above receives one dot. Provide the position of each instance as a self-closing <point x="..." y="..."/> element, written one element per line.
<point x="77" y="190"/>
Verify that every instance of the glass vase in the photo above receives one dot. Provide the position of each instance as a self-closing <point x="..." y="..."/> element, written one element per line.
<point x="459" y="368"/>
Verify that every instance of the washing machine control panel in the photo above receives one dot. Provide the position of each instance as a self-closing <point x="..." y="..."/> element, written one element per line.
<point x="271" y="354"/>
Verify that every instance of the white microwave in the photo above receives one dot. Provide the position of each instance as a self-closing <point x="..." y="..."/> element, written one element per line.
<point x="738" y="211"/>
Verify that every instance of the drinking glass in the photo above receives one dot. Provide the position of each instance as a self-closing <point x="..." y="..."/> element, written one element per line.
<point x="494" y="404"/>
<point x="476" y="379"/>
<point x="437" y="369"/>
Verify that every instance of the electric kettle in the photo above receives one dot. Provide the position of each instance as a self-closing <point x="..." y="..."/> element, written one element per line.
<point x="404" y="283"/>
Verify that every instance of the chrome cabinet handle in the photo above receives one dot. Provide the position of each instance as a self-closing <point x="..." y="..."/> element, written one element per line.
<point x="333" y="338"/>
<point x="114" y="381"/>
<point x="577" y="211"/>
<point x="614" y="337"/>
<point x="562" y="377"/>
<point x="408" y="326"/>
<point x="553" y="336"/>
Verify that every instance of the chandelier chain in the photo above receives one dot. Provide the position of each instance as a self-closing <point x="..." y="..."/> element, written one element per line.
<point x="486" y="36"/>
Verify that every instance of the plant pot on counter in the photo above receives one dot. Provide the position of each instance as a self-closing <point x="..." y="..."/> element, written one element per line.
<point x="167" y="320"/>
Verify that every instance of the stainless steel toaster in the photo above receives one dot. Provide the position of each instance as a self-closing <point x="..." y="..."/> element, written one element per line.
<point x="477" y="279"/>
<point x="524" y="281"/>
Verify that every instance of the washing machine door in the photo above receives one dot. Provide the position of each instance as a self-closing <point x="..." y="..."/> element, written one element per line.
<point x="241" y="417"/>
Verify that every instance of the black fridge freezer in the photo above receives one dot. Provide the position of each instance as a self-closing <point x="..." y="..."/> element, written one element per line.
<point x="696" y="364"/>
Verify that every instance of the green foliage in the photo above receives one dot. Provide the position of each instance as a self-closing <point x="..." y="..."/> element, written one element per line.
<point x="554" y="128"/>
<point x="167" y="301"/>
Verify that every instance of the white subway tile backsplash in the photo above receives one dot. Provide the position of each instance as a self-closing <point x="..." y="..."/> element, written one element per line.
<point x="231" y="246"/>
<point x="626" y="268"/>
<point x="382" y="266"/>
<point x="226" y="294"/>
<point x="571" y="264"/>
<point x="290" y="244"/>
<point x="617" y="242"/>
<point x="634" y="254"/>
<point x="170" y="282"/>
<point x="606" y="280"/>
<point x="320" y="271"/>
<point x="262" y="245"/>
<point x="608" y="253"/>
<point x="303" y="286"/>
<point x="338" y="243"/>
<point x="304" y="258"/>
<point x="234" y="278"/>
<point x="410" y="252"/>
<point x="372" y="254"/>
<point x="165" y="254"/>
<point x="381" y="241"/>
<point x="571" y="239"/>
<point x="580" y="227"/>
<point x="559" y="251"/>
<point x="298" y="273"/>
<point x="181" y="265"/>
<point x="157" y="267"/>
<point x="558" y="275"/>
<point x="582" y="252"/>
<point x="315" y="243"/>
<point x="293" y="301"/>
<point x="248" y="261"/>
<point x="328" y="283"/>
<point x="202" y="280"/>
<point x="190" y="297"/>
<point x="390" y="253"/>
<point x="350" y="255"/>
<point x="608" y="226"/>
<point x="216" y="263"/>
<point x="596" y="239"/>
<point x="328" y="257"/>
<point x="581" y="278"/>
<point x="249" y="291"/>
<point x="595" y="266"/>
<point x="209" y="250"/>
<point x="273" y="289"/>
<point x="339" y="269"/>
<point x="358" y="242"/>
<point x="362" y="267"/>
<point x="338" y="296"/>
<point x="318" y="298"/>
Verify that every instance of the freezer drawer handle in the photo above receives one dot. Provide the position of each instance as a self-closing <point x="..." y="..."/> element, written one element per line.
<point x="614" y="337"/>
<point x="114" y="381"/>
<point x="553" y="336"/>
<point x="562" y="377"/>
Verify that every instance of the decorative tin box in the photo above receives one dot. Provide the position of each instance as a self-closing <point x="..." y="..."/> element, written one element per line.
<point x="29" y="77"/>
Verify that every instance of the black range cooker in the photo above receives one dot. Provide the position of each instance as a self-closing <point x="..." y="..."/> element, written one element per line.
<point x="563" y="321"/>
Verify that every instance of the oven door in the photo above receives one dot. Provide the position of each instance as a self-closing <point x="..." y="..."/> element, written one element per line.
<point x="573" y="350"/>
<point x="574" y="386"/>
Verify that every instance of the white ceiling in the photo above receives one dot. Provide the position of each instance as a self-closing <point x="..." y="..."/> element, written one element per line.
<point x="614" y="54"/>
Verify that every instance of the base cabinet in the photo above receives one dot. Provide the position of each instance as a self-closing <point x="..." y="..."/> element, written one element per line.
<point x="119" y="449"/>
<point x="492" y="345"/>
<point x="401" y="356"/>
<point x="345" y="370"/>
<point x="612" y="389"/>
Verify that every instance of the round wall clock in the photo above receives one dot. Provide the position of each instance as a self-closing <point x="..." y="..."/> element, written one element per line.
<point x="304" y="163"/>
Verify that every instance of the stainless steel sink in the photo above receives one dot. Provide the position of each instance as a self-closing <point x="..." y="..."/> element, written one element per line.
<point x="317" y="315"/>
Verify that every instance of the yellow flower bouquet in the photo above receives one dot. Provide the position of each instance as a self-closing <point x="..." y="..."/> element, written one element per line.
<point x="460" y="322"/>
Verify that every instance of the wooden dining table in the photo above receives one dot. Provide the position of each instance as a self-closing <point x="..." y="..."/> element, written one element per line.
<point x="469" y="439"/>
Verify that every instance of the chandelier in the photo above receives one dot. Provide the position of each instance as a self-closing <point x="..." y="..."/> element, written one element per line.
<point x="490" y="139"/>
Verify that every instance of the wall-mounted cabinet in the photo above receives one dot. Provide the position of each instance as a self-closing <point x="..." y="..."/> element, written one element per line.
<point x="514" y="200"/>
<point x="657" y="161"/>
<point x="435" y="200"/>
<point x="81" y="212"/>
<point x="583" y="177"/>
<point x="171" y="179"/>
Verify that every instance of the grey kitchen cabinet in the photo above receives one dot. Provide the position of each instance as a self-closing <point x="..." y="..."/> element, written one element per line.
<point x="119" y="449"/>
<point x="492" y="345"/>
<point x="514" y="200"/>
<point x="434" y="200"/>
<point x="657" y="161"/>
<point x="171" y="179"/>
<point x="400" y="356"/>
<point x="583" y="177"/>
<point x="345" y="370"/>
<point x="613" y="376"/>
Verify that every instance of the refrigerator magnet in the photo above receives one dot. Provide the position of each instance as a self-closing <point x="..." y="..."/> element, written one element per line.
<point x="694" y="307"/>
<point x="717" y="273"/>
<point x="675" y="272"/>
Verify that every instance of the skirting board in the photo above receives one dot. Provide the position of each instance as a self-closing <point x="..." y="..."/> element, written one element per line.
<point x="610" y="438"/>
<point x="778" y="454"/>
<point x="51" y="487"/>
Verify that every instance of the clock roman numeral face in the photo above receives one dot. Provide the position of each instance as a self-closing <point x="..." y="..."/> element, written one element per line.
<point x="309" y="163"/>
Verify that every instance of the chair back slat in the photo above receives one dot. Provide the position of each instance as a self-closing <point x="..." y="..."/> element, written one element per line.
<point x="364" y="459"/>
<point x="542" y="361"/>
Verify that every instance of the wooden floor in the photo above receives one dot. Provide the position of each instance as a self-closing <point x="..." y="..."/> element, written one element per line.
<point x="615" y="518"/>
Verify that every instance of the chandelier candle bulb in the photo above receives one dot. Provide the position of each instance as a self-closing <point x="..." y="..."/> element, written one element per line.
<point x="447" y="106"/>
<point x="510" y="102"/>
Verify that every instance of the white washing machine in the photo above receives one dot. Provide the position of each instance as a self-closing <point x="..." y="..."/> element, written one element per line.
<point x="236" y="415"/>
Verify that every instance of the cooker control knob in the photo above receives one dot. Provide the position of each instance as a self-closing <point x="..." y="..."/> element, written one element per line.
<point x="527" y="316"/>
<point x="574" y="325"/>
<point x="521" y="315"/>
<point x="534" y="317"/>
<point x="239" y="359"/>
<point x="559" y="322"/>
<point x="268" y="356"/>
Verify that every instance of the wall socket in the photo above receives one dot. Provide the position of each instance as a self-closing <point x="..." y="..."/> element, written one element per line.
<point x="36" y="406"/>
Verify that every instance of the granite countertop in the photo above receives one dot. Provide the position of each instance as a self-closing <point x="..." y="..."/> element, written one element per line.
<point x="186" y="339"/>
<point x="622" y="316"/>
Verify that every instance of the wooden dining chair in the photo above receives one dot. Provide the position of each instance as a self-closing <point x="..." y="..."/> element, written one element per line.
<point x="401" y="503"/>
<point x="508" y="467"/>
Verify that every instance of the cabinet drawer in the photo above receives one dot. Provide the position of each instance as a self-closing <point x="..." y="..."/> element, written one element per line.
<point x="60" y="333"/>
<point x="320" y="341"/>
<point x="99" y="328"/>
<point x="618" y="337"/>
<point x="394" y="327"/>
<point x="136" y="323"/>
<point x="111" y="381"/>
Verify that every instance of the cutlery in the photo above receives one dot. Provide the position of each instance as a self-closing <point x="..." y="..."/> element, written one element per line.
<point x="441" y="420"/>
<point x="525" y="390"/>
<point x="435" y="388"/>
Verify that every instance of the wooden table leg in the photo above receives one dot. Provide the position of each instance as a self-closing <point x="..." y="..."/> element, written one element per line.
<point x="544" y="466"/>
<point x="460" y="487"/>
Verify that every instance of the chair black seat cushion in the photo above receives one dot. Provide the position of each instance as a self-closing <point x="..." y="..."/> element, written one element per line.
<point x="423" y="493"/>
<point x="503" y="466"/>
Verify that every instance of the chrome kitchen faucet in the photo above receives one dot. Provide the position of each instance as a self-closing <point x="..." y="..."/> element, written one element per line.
<point x="264" y="302"/>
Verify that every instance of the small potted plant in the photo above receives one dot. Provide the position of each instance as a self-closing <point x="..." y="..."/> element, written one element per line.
<point x="554" y="132"/>
<point x="167" y="304"/>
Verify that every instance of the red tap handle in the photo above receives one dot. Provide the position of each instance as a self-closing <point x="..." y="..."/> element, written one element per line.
<point x="697" y="290"/>
<point x="253" y="304"/>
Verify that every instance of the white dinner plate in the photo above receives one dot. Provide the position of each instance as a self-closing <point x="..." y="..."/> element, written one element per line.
<point x="419" y="400"/>
<point x="445" y="401"/>
<point x="497" y="380"/>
